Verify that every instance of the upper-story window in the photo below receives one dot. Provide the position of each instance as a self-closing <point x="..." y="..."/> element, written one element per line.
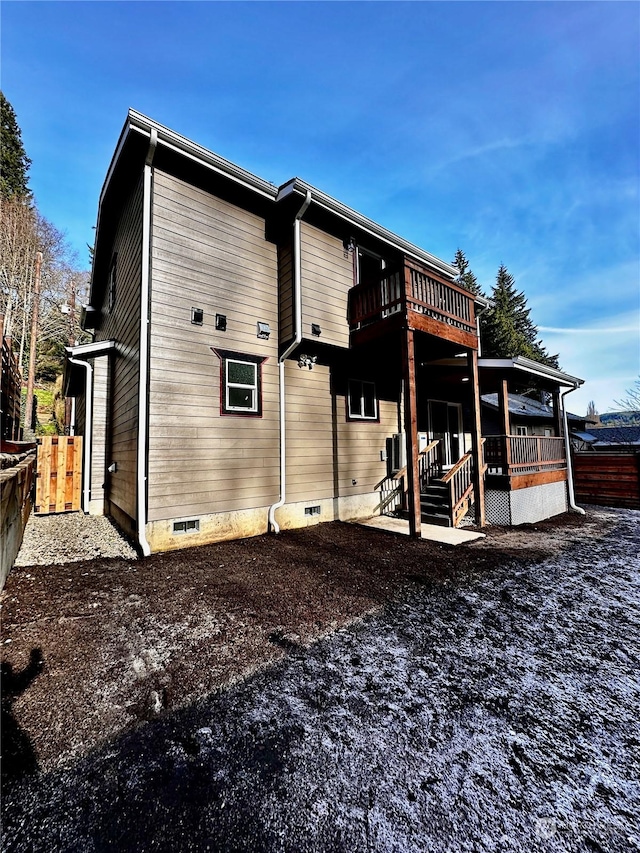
<point x="362" y="401"/>
<point x="113" y="274"/>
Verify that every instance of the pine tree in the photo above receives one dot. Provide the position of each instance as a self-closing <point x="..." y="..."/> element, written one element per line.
<point x="465" y="277"/>
<point x="507" y="329"/>
<point x="14" y="163"/>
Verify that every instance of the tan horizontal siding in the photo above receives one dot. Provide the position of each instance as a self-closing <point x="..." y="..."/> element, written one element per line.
<point x="212" y="255"/>
<point x="100" y="426"/>
<point x="327" y="276"/>
<point x="123" y="326"/>
<point x="285" y="290"/>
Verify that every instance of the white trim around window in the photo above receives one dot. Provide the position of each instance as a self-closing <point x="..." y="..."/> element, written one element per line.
<point x="362" y="400"/>
<point x="241" y="386"/>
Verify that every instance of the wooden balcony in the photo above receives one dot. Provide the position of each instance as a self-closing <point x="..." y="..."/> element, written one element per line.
<point x="520" y="461"/>
<point x="414" y="298"/>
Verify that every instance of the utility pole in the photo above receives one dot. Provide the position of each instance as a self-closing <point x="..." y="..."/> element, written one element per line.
<point x="28" y="414"/>
<point x="72" y="340"/>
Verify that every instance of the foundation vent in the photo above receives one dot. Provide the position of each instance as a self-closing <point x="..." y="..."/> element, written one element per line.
<point x="189" y="525"/>
<point x="312" y="510"/>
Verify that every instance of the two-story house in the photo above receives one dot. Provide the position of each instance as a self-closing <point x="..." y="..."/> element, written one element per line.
<point x="265" y="357"/>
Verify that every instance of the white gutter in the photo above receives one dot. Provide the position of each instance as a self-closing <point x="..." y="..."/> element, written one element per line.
<point x="143" y="380"/>
<point x="567" y="450"/>
<point x="297" y="289"/>
<point x="88" y="431"/>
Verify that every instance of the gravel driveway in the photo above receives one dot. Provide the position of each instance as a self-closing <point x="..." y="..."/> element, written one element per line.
<point x="483" y="698"/>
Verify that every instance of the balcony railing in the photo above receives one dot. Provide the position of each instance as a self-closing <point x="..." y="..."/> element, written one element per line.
<point x="412" y="289"/>
<point x="523" y="454"/>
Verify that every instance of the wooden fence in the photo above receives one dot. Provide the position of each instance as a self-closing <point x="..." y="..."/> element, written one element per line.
<point x="10" y="390"/>
<point x="58" y="474"/>
<point x="610" y="479"/>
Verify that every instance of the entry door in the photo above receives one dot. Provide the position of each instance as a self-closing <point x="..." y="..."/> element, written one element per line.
<point x="445" y="426"/>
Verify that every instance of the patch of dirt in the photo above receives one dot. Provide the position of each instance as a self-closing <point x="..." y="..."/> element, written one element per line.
<point x="332" y="688"/>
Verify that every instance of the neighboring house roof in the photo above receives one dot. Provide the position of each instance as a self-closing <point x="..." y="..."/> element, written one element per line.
<point x="584" y="436"/>
<point x="526" y="407"/>
<point x="615" y="435"/>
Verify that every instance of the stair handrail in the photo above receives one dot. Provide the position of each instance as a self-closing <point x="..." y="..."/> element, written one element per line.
<point x="452" y="471"/>
<point x="432" y="444"/>
<point x="460" y="486"/>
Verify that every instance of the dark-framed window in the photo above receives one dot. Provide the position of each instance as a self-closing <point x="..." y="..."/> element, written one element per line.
<point x="240" y="383"/>
<point x="113" y="275"/>
<point x="362" y="400"/>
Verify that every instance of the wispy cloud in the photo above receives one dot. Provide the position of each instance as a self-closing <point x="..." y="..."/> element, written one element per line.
<point x="590" y="330"/>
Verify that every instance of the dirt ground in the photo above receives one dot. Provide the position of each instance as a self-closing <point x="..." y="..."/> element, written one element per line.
<point x="332" y="688"/>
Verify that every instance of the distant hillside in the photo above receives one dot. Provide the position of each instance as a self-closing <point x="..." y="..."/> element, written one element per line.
<point x="629" y="418"/>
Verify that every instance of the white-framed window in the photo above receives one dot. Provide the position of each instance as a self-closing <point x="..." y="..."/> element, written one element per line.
<point x="240" y="383"/>
<point x="241" y="386"/>
<point x="362" y="402"/>
<point x="521" y="430"/>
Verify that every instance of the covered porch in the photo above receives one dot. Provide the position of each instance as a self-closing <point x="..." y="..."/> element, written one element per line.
<point x="528" y="477"/>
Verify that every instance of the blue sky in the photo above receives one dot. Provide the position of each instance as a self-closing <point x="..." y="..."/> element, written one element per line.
<point x="511" y="130"/>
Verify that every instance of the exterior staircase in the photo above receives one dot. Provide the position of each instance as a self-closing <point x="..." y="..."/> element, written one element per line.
<point x="435" y="504"/>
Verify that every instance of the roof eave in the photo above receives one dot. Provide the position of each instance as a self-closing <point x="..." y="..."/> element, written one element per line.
<point x="296" y="185"/>
<point x="527" y="365"/>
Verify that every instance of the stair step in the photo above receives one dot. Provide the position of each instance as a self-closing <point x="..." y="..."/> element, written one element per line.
<point x="440" y="520"/>
<point x="434" y="507"/>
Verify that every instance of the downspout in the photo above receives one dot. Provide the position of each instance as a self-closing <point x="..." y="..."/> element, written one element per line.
<point x="88" y="431"/>
<point x="478" y="315"/>
<point x="297" y="291"/>
<point x="143" y="380"/>
<point x="567" y="450"/>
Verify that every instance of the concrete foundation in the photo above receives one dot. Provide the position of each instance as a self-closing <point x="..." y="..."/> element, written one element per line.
<point x="218" y="527"/>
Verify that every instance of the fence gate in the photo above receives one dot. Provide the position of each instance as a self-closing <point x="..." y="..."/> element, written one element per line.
<point x="58" y="474"/>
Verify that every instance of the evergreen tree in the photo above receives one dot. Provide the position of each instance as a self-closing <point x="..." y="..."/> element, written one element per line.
<point x="14" y="163"/>
<point x="465" y="277"/>
<point x="507" y="329"/>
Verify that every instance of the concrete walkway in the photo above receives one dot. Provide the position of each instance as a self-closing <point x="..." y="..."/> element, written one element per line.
<point x="433" y="532"/>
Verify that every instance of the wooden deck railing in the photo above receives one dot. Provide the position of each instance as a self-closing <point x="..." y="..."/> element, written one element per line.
<point x="447" y="303"/>
<point x="523" y="454"/>
<point x="412" y="289"/>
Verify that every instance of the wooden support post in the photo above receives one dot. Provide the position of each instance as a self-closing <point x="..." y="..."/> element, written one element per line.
<point x="476" y="442"/>
<point x="411" y="431"/>
<point x="503" y="400"/>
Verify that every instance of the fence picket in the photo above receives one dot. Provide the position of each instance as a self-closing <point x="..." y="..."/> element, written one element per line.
<point x="59" y="474"/>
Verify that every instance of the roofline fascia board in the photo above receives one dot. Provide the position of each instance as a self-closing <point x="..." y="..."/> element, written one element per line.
<point x="170" y="139"/>
<point x="91" y="350"/>
<point x="365" y="224"/>
<point x="529" y="366"/>
<point x="174" y="141"/>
